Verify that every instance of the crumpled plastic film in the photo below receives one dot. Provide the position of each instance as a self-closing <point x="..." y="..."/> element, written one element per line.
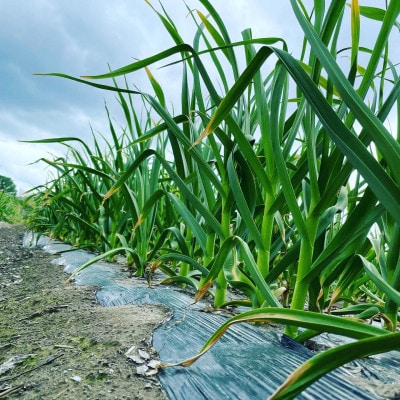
<point x="246" y="363"/>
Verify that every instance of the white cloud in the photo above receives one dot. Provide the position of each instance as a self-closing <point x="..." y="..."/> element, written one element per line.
<point x="16" y="159"/>
<point x="21" y="125"/>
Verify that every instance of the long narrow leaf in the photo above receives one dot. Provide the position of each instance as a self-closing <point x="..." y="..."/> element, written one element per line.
<point x="327" y="361"/>
<point x="372" y="272"/>
<point x="307" y="319"/>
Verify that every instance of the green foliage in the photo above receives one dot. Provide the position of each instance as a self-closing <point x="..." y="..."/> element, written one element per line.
<point x="283" y="184"/>
<point x="11" y="208"/>
<point x="7" y="185"/>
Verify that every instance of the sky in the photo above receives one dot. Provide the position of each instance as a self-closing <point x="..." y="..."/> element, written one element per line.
<point x="81" y="38"/>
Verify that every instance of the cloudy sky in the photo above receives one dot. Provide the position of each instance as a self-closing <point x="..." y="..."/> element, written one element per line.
<point x="81" y="37"/>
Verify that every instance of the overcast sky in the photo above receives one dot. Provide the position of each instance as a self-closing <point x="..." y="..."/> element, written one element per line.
<point x="79" y="37"/>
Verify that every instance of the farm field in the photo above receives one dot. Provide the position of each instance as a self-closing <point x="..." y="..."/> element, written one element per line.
<point x="274" y="176"/>
<point x="77" y="348"/>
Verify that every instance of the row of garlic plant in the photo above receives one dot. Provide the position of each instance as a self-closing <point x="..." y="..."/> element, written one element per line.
<point x="71" y="205"/>
<point x="258" y="194"/>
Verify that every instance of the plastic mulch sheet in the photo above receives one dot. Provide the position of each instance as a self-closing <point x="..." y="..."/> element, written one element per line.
<point x="248" y="362"/>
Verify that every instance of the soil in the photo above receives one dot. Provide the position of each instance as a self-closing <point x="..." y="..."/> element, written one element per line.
<point x="56" y="342"/>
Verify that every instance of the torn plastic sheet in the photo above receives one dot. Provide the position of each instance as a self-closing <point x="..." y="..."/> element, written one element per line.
<point x="248" y="362"/>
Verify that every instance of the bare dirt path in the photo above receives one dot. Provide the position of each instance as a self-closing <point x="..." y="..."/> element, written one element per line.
<point x="56" y="342"/>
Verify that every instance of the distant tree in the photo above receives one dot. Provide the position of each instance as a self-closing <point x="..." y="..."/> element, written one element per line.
<point x="7" y="185"/>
